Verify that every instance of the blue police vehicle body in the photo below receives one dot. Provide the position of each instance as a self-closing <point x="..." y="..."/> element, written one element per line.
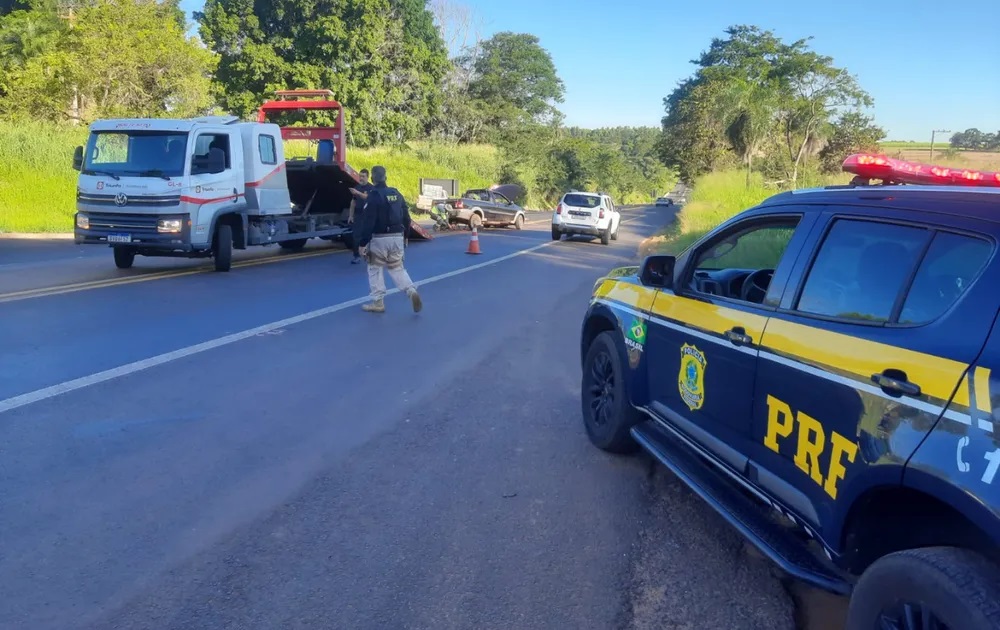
<point x="820" y="369"/>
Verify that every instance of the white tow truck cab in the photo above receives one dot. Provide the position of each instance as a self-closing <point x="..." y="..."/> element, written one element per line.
<point x="202" y="187"/>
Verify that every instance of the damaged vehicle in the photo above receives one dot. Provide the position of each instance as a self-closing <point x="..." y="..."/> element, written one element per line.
<point x="482" y="207"/>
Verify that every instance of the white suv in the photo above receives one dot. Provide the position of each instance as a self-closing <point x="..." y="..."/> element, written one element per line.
<point x="591" y="214"/>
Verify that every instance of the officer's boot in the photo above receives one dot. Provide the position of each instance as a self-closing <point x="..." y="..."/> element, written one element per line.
<point x="375" y="306"/>
<point x="416" y="301"/>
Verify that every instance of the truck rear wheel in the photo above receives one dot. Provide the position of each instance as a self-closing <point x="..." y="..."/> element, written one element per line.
<point x="956" y="588"/>
<point x="519" y="222"/>
<point x="293" y="245"/>
<point x="124" y="257"/>
<point x="475" y="222"/>
<point x="223" y="247"/>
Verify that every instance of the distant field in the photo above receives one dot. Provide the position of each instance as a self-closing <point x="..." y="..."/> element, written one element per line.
<point x="943" y="155"/>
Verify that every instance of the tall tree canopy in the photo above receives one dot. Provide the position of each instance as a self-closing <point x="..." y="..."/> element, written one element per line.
<point x="383" y="59"/>
<point x="53" y="71"/>
<point x="755" y="96"/>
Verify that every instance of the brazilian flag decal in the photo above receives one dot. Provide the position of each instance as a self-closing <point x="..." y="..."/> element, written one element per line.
<point x="637" y="331"/>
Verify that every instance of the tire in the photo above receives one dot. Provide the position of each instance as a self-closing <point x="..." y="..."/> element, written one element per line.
<point x="124" y="257"/>
<point x="519" y="222"/>
<point x="223" y="247"/>
<point x="614" y="235"/>
<point x="960" y="587"/>
<point x="606" y="236"/>
<point x="294" y="245"/>
<point x="475" y="222"/>
<point x="608" y="431"/>
<point x="556" y="235"/>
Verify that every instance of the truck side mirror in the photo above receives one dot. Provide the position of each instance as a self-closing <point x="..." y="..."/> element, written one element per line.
<point x="78" y="158"/>
<point x="657" y="271"/>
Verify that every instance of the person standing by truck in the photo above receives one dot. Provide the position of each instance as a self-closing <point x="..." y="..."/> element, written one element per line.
<point x="360" y="193"/>
<point x="385" y="220"/>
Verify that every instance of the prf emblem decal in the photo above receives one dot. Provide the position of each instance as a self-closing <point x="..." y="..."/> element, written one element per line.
<point x="691" y="379"/>
<point x="635" y="340"/>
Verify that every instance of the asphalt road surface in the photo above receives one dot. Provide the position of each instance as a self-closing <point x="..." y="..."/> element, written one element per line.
<point x="187" y="449"/>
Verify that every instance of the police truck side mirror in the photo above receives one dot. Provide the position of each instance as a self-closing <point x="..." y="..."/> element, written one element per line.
<point x="657" y="271"/>
<point x="78" y="158"/>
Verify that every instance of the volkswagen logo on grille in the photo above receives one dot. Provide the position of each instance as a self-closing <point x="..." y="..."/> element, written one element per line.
<point x="121" y="199"/>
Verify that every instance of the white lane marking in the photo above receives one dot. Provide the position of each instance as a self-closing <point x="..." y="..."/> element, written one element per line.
<point x="144" y="364"/>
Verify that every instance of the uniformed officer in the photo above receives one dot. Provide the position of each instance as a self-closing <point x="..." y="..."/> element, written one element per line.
<point x="360" y="195"/>
<point x="385" y="220"/>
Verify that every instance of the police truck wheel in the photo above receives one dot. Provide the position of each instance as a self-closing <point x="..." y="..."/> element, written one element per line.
<point x="223" y="248"/>
<point x="614" y="235"/>
<point x="556" y="235"/>
<point x="607" y="415"/>
<point x="293" y="245"/>
<point x="519" y="223"/>
<point x="956" y="588"/>
<point x="124" y="257"/>
<point x="606" y="236"/>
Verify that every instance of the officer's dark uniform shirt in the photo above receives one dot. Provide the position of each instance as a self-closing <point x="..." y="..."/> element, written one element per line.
<point x="359" y="204"/>
<point x="385" y="212"/>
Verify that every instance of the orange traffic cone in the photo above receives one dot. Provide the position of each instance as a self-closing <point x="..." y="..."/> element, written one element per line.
<point x="474" y="243"/>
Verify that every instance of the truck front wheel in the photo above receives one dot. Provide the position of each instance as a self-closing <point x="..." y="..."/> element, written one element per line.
<point x="945" y="586"/>
<point x="223" y="247"/>
<point x="124" y="257"/>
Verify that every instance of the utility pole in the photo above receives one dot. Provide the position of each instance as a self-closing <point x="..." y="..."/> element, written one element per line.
<point x="933" y="133"/>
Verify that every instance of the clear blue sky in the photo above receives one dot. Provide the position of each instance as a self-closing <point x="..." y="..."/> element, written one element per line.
<point x="927" y="64"/>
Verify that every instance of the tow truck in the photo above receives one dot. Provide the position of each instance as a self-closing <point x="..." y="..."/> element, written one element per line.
<point x="202" y="187"/>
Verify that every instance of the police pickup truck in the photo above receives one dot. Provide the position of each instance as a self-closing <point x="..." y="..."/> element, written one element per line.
<point x="819" y="369"/>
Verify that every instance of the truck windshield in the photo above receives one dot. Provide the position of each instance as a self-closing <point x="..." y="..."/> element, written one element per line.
<point x="136" y="153"/>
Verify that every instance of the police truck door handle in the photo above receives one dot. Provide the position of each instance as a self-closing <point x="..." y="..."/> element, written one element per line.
<point x="739" y="336"/>
<point x="894" y="382"/>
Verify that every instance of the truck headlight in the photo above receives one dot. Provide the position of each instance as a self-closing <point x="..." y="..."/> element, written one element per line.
<point x="168" y="226"/>
<point x="83" y="221"/>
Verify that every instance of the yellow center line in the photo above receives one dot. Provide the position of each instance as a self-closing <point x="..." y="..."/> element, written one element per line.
<point x="158" y="275"/>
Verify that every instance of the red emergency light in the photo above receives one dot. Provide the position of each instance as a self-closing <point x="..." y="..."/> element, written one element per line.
<point x="868" y="166"/>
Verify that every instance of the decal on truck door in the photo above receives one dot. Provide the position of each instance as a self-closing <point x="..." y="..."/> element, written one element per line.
<point x="691" y="379"/>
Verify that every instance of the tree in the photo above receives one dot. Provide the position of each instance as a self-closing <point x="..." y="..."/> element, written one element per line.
<point x="815" y="91"/>
<point x="383" y="59"/>
<point x="515" y="82"/>
<point x="852" y="133"/>
<point x="976" y="140"/>
<point x="68" y="74"/>
<point x="753" y="93"/>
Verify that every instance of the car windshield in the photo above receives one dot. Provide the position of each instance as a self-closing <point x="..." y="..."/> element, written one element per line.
<point x="582" y="201"/>
<point x="136" y="153"/>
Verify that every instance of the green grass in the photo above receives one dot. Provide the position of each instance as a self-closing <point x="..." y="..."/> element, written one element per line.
<point x="37" y="180"/>
<point x="717" y="197"/>
<point x="38" y="183"/>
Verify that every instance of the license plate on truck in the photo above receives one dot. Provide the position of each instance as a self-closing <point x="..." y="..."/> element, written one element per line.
<point x="119" y="238"/>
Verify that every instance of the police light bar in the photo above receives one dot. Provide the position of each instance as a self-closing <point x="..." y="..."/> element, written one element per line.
<point x="892" y="171"/>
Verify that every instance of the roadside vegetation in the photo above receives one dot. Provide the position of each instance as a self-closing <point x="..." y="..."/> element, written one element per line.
<point x="760" y="115"/>
<point x="424" y="94"/>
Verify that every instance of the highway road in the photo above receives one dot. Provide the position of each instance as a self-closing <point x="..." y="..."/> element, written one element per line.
<point x="189" y="449"/>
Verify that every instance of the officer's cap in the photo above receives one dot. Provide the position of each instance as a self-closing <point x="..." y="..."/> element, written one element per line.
<point x="378" y="174"/>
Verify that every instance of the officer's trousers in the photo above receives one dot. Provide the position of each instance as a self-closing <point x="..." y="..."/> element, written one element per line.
<point x="386" y="252"/>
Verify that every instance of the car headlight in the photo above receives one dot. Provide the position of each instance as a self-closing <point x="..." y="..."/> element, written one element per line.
<point x="168" y="226"/>
<point x="83" y="222"/>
